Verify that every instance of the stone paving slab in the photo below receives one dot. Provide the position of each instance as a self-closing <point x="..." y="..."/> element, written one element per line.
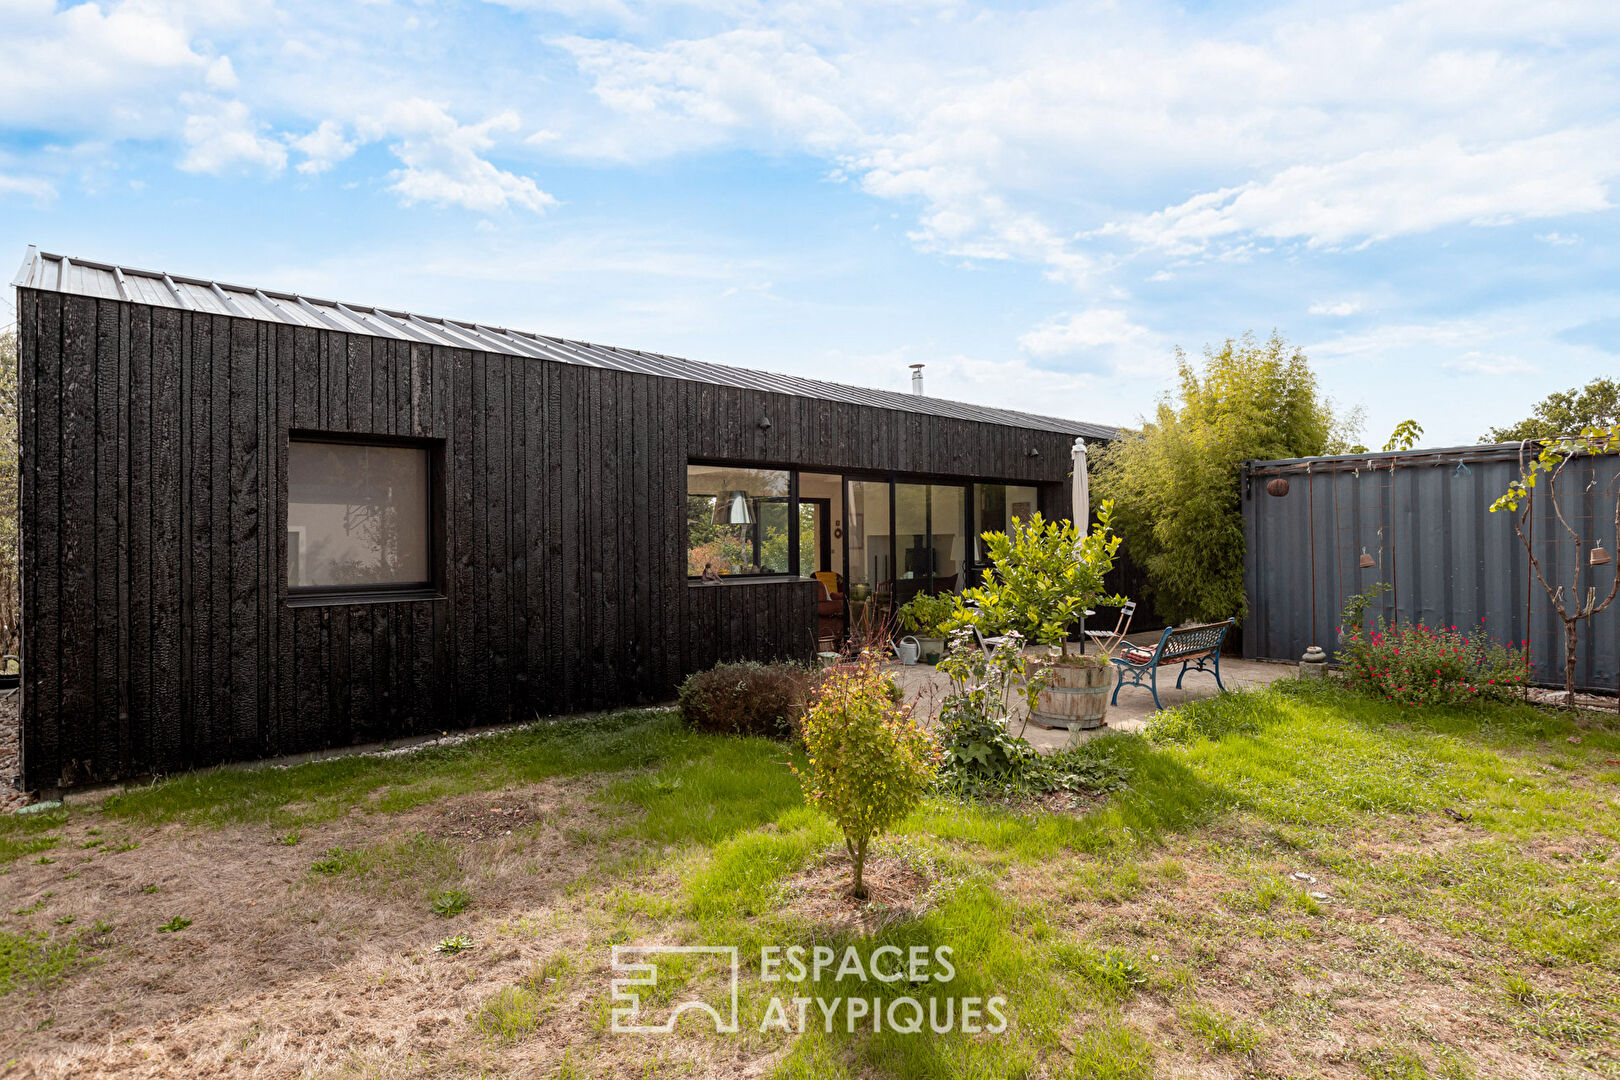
<point x="928" y="687"/>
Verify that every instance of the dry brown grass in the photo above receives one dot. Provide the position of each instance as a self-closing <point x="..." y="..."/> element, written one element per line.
<point x="283" y="972"/>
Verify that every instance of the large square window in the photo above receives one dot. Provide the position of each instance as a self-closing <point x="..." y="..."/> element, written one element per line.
<point x="358" y="515"/>
<point x="736" y="521"/>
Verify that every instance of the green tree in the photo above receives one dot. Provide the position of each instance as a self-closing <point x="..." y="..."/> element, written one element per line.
<point x="1565" y="413"/>
<point x="1174" y="483"/>
<point x="1042" y="577"/>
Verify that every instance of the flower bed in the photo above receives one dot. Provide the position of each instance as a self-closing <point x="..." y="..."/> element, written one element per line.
<point x="1417" y="664"/>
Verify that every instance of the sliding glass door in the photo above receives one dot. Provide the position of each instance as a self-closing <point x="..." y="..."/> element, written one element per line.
<point x="917" y="547"/>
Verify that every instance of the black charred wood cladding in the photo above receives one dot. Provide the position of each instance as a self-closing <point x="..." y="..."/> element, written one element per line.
<point x="158" y="634"/>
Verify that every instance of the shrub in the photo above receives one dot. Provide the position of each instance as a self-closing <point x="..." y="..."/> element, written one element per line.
<point x="745" y="699"/>
<point x="981" y="754"/>
<point x="929" y="614"/>
<point x="869" y="762"/>
<point x="1415" y="664"/>
<point x="1175" y="482"/>
<point x="1042" y="576"/>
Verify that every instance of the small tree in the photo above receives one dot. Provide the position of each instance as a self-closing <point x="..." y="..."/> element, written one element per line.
<point x="869" y="762"/>
<point x="1043" y="577"/>
<point x="1550" y="460"/>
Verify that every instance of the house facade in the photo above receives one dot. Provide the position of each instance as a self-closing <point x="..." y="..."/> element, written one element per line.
<point x="256" y="523"/>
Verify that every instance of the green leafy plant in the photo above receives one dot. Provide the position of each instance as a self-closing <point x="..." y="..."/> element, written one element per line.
<point x="1416" y="664"/>
<point x="1175" y="483"/>
<point x="1042" y="577"/>
<point x="981" y="754"/>
<point x="1405" y="436"/>
<point x="869" y="762"/>
<point x="333" y="862"/>
<point x="174" y="925"/>
<point x="1552" y="457"/>
<point x="745" y="699"/>
<point x="453" y="944"/>
<point x="450" y="902"/>
<point x="930" y="615"/>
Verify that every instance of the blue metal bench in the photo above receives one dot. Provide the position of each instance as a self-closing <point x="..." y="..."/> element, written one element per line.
<point x="1197" y="647"/>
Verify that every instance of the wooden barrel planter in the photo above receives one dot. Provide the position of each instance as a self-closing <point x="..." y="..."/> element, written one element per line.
<point x="1075" y="698"/>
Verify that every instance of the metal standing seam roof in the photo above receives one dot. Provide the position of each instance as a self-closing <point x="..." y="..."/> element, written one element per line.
<point x="59" y="273"/>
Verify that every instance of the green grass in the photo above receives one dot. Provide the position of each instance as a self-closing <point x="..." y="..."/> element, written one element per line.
<point x="1112" y="1051"/>
<point x="322" y="790"/>
<point x="29" y="834"/>
<point x="34" y="960"/>
<point x="1114" y="932"/>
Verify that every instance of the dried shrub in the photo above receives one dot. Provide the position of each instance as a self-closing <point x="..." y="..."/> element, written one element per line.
<point x="746" y="699"/>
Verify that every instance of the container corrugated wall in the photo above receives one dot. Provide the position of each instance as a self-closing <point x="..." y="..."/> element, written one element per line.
<point x="1424" y="518"/>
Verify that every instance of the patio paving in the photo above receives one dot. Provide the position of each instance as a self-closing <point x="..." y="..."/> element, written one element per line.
<point x="928" y="687"/>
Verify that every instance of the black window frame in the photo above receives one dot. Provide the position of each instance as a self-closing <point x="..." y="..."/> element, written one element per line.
<point x="971" y="573"/>
<point x="433" y="588"/>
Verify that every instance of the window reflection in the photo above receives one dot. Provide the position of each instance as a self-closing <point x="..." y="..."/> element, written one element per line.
<point x="736" y="521"/>
<point x="356" y="514"/>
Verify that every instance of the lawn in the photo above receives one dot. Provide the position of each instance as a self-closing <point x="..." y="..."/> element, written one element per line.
<point x="1290" y="882"/>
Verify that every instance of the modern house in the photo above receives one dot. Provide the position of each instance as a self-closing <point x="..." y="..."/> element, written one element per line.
<point x="256" y="523"/>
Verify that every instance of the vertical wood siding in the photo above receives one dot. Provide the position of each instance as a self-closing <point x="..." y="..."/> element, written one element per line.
<point x="156" y="635"/>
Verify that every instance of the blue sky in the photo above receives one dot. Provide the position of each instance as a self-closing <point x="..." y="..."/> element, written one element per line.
<point x="1041" y="201"/>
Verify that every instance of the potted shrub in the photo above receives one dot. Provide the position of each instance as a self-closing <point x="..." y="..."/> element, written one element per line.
<point x="930" y="617"/>
<point x="1042" y="579"/>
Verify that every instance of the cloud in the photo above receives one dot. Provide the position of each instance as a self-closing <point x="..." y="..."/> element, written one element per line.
<point x="1558" y="239"/>
<point x="222" y="135"/>
<point x="322" y="148"/>
<point x="1100" y="339"/>
<point x="31" y="186"/>
<point x="111" y="69"/>
<point x="1481" y="363"/>
<point x="1385" y="193"/>
<point x="1601" y="334"/>
<point x="443" y="162"/>
<point x="1338" y="308"/>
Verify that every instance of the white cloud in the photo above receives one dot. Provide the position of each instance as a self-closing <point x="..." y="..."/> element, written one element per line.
<point x="221" y="74"/>
<point x="111" y="69"/>
<point x="1384" y="193"/>
<point x="443" y="162"/>
<point x="31" y="186"/>
<point x="322" y="148"/>
<point x="1558" y="239"/>
<point x="1101" y="340"/>
<point x="223" y="135"/>
<point x="1483" y="363"/>
<point x="1098" y="328"/>
<point x="1338" y="308"/>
